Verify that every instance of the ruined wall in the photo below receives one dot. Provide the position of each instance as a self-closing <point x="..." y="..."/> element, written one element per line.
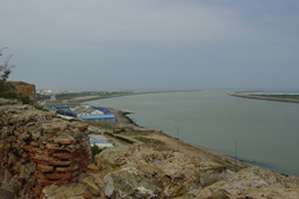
<point x="37" y="149"/>
<point x="25" y="88"/>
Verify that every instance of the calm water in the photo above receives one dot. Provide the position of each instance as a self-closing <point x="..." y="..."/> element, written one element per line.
<point x="262" y="131"/>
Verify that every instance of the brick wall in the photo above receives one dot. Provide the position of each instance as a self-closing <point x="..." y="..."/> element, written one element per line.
<point x="25" y="88"/>
<point x="37" y="149"/>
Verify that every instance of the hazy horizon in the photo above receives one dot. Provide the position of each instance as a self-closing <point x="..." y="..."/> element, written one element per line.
<point x="153" y="45"/>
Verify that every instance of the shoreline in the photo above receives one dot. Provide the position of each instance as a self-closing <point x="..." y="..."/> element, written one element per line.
<point x="200" y="147"/>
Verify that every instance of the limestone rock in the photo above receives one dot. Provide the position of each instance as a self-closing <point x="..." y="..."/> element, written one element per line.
<point x="113" y="157"/>
<point x="129" y="183"/>
<point x="247" y="182"/>
<point x="64" y="139"/>
<point x="7" y="101"/>
<point x="66" y="191"/>
<point x="6" y="194"/>
<point x="92" y="185"/>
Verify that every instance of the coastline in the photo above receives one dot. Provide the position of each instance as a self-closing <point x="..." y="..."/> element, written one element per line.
<point x="213" y="151"/>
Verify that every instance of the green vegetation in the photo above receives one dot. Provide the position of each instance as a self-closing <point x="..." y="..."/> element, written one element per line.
<point x="94" y="151"/>
<point x="7" y="90"/>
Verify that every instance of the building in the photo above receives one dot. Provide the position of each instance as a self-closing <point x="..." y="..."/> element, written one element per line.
<point x="93" y="113"/>
<point x="25" y="88"/>
<point x="99" y="141"/>
<point x="84" y="112"/>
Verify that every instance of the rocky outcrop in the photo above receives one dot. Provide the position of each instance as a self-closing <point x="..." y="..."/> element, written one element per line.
<point x="145" y="171"/>
<point x="158" y="168"/>
<point x="252" y="182"/>
<point x="173" y="172"/>
<point x="37" y="150"/>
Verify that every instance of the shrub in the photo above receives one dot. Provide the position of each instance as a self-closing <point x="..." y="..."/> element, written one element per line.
<point x="94" y="151"/>
<point x="8" y="91"/>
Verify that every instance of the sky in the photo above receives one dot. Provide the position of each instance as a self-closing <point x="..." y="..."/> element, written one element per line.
<point x="153" y="44"/>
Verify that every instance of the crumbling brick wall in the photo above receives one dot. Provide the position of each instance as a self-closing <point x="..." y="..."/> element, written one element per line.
<point x="37" y="149"/>
<point x="25" y="88"/>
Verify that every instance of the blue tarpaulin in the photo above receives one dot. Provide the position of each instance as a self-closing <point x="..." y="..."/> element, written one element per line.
<point x="104" y="115"/>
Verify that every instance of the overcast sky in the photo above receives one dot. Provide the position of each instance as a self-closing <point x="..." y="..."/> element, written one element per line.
<point x="153" y="44"/>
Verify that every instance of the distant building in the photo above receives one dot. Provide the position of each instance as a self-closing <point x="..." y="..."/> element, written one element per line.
<point x="53" y="98"/>
<point x="93" y="113"/>
<point x="99" y="141"/>
<point x="25" y="88"/>
<point x="84" y="112"/>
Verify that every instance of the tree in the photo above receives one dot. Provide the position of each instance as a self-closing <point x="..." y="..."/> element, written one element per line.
<point x="7" y="90"/>
<point x="5" y="67"/>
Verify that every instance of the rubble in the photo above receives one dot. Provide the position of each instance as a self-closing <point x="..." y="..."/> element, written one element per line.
<point x="130" y="183"/>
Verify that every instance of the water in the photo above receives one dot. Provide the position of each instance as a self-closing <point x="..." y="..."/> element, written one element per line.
<point x="261" y="131"/>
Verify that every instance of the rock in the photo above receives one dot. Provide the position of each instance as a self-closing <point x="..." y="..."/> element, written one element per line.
<point x="142" y="192"/>
<point x="6" y="194"/>
<point x="64" y="139"/>
<point x="81" y="126"/>
<point x="91" y="184"/>
<point x="26" y="170"/>
<point x="65" y="191"/>
<point x="36" y="134"/>
<point x="62" y="155"/>
<point x="59" y="176"/>
<point x="214" y="174"/>
<point x="221" y="194"/>
<point x="67" y="169"/>
<point x="51" y="161"/>
<point x="52" y="146"/>
<point x="129" y="183"/>
<point x="92" y="168"/>
<point x="45" y="168"/>
<point x="113" y="157"/>
<point x="4" y="101"/>
<point x="244" y="182"/>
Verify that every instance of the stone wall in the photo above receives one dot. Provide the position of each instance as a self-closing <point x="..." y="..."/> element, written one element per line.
<point x="37" y="149"/>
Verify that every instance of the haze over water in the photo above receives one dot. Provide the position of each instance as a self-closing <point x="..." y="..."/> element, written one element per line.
<point x="261" y="131"/>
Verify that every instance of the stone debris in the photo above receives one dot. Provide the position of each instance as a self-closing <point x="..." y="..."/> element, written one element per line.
<point x="253" y="182"/>
<point x="181" y="175"/>
<point x="129" y="183"/>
